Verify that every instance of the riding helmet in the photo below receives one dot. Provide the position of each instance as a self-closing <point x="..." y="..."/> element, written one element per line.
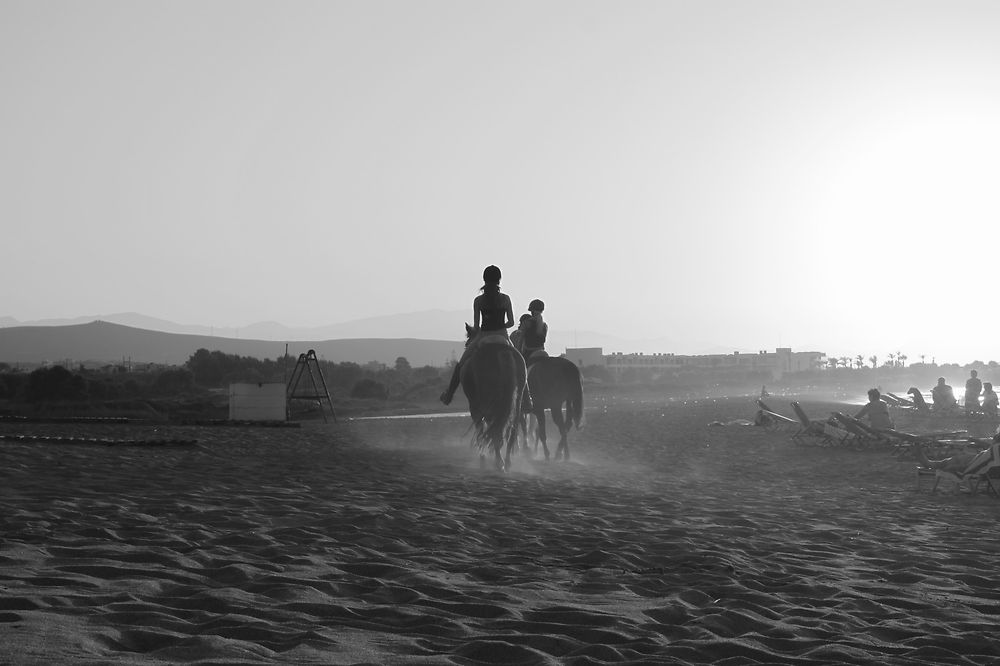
<point x="491" y="275"/>
<point x="536" y="305"/>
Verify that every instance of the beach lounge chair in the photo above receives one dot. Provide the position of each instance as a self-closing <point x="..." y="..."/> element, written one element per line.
<point x="827" y="433"/>
<point x="905" y="403"/>
<point x="864" y="434"/>
<point x="918" y="399"/>
<point x="890" y="400"/>
<point x="777" y="419"/>
<point x="981" y="467"/>
<point x="939" y="443"/>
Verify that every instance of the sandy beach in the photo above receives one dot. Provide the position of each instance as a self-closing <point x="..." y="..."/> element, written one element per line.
<point x="382" y="541"/>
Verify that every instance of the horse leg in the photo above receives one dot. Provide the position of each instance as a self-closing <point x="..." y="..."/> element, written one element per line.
<point x="540" y="432"/>
<point x="563" y="446"/>
<point x="533" y="430"/>
<point x="511" y="444"/>
<point x="525" y="439"/>
<point x="476" y="438"/>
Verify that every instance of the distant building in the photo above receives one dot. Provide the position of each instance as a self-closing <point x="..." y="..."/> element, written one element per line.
<point x="585" y="356"/>
<point x="780" y="362"/>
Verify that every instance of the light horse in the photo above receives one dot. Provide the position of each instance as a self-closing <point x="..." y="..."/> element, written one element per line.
<point x="553" y="382"/>
<point x="493" y="380"/>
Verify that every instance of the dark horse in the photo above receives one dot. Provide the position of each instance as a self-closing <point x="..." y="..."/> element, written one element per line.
<point x="493" y="379"/>
<point x="553" y="382"/>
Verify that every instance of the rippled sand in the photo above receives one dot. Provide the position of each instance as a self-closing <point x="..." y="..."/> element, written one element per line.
<point x="383" y="541"/>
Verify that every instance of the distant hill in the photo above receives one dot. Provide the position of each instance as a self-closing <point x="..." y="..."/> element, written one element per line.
<point x="426" y="326"/>
<point x="104" y="342"/>
<point x="422" y="325"/>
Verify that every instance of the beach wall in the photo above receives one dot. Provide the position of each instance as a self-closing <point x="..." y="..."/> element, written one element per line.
<point x="257" y="402"/>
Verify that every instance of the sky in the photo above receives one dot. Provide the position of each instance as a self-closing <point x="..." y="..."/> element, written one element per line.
<point x="750" y="174"/>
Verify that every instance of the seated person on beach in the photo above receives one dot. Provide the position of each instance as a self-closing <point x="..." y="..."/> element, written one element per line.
<point x="877" y="411"/>
<point x="535" y="331"/>
<point x="989" y="400"/>
<point x="973" y="386"/>
<point x="492" y="315"/>
<point x="943" y="396"/>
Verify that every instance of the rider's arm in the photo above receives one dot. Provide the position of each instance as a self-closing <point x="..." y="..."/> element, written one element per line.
<point x="509" y="315"/>
<point x="475" y="313"/>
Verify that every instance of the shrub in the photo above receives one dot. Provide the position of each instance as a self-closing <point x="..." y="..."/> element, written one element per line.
<point x="175" y="380"/>
<point x="55" y="383"/>
<point x="369" y="388"/>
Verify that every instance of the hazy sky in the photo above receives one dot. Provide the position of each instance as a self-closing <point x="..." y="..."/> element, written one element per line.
<point x="820" y="175"/>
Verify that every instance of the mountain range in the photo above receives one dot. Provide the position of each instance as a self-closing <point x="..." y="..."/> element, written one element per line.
<point x="101" y="343"/>
<point x="428" y="337"/>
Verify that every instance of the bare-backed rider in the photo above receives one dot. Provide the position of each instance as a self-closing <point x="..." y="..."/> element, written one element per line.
<point x="492" y="315"/>
<point x="535" y="332"/>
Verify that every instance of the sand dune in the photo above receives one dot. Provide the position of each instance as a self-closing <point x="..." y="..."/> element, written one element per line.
<point x="382" y="541"/>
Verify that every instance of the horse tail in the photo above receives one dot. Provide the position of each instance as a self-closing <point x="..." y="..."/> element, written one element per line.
<point x="501" y="411"/>
<point x="502" y="418"/>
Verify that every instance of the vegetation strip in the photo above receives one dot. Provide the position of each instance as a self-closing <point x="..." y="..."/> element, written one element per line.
<point x="11" y="418"/>
<point x="243" y="423"/>
<point x="93" y="440"/>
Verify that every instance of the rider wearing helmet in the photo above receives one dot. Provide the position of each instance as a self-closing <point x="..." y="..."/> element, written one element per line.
<point x="492" y="314"/>
<point x="535" y="331"/>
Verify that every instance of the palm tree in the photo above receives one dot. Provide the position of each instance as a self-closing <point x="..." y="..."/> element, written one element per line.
<point x="922" y="357"/>
<point x="874" y="360"/>
<point x="859" y="361"/>
<point x="892" y="360"/>
<point x="902" y="359"/>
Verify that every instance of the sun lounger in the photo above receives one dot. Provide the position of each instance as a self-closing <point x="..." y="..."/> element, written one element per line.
<point x="982" y="467"/>
<point x="937" y="442"/>
<point x="864" y="434"/>
<point x="890" y="400"/>
<point x="902" y="402"/>
<point x="918" y="399"/>
<point x="827" y="433"/>
<point x="779" y="419"/>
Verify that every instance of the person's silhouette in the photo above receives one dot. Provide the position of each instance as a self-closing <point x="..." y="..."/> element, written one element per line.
<point x="491" y="314"/>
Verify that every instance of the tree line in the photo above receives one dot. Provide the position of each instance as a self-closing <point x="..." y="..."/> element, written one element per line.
<point x="206" y="370"/>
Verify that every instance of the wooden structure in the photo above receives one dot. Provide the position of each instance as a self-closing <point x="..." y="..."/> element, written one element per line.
<point x="308" y="366"/>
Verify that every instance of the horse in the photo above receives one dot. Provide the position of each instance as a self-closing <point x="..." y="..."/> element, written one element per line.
<point x="493" y="380"/>
<point x="552" y="382"/>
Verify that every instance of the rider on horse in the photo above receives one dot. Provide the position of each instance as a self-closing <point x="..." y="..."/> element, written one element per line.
<point x="517" y="337"/>
<point x="535" y="332"/>
<point x="492" y="315"/>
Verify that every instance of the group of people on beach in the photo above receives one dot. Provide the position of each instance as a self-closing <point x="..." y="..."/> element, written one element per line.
<point x="492" y="315"/>
<point x="942" y="398"/>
